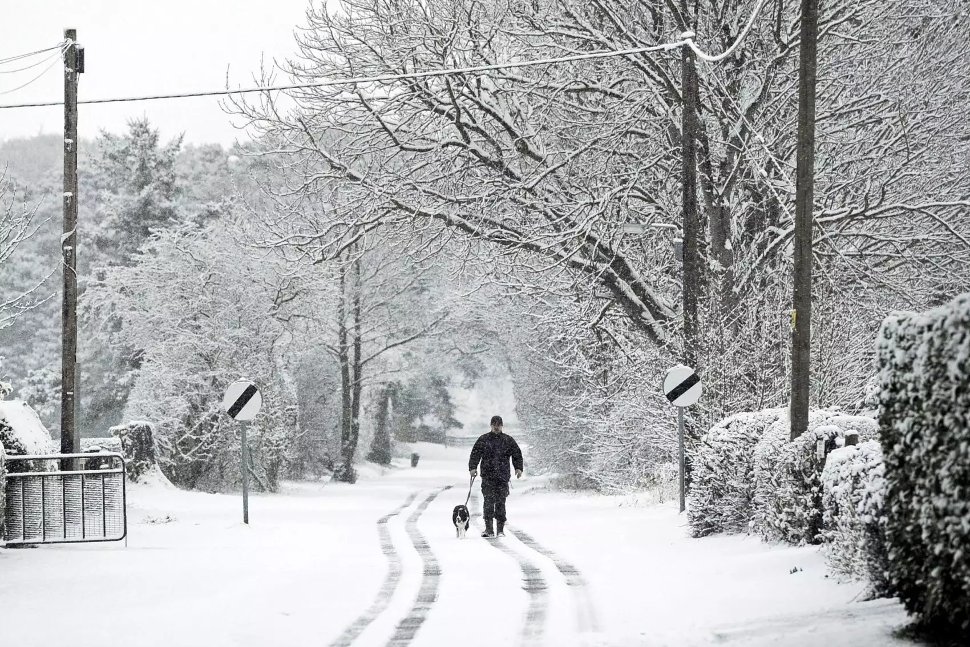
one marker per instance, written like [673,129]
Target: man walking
[494,450]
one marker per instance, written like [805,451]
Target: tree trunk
[345,470]
[357,368]
[380,449]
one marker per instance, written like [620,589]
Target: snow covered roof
[27,429]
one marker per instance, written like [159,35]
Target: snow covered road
[377,564]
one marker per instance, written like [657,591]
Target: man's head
[496,424]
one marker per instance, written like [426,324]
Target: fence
[51,505]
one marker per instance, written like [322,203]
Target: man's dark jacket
[494,451]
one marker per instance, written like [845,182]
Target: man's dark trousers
[494,493]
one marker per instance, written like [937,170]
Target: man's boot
[488,529]
[500,531]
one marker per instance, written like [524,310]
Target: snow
[27,427]
[311,563]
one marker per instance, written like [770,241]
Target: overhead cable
[686,39]
[18,57]
[712,58]
[42,73]
[31,65]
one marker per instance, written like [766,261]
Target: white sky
[135,47]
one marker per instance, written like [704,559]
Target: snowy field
[377,563]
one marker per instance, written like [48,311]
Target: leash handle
[470,484]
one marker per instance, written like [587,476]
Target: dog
[460,518]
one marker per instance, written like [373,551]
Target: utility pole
[691,224]
[804,216]
[70,438]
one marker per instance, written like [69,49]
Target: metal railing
[53,506]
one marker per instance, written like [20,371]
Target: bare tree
[18,223]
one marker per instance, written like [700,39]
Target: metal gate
[53,506]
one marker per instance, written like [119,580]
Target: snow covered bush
[22,432]
[788,487]
[854,532]
[723,480]
[924,415]
[138,447]
[3,486]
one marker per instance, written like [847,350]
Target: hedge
[924,416]
[3,487]
[722,487]
[137,441]
[787,504]
[854,523]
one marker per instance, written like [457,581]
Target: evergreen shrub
[788,475]
[138,447]
[853,522]
[3,487]
[722,487]
[924,419]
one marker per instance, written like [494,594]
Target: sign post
[242,402]
[683,388]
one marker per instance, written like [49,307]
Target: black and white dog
[459,518]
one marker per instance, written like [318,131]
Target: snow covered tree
[136,194]
[34,169]
[18,223]
[546,164]
[137,185]
[205,311]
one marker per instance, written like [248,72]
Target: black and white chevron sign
[242,400]
[682,386]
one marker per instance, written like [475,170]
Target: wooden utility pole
[691,224]
[804,209]
[70,438]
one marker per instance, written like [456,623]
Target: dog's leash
[470,484]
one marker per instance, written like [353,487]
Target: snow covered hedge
[722,488]
[787,501]
[138,446]
[21,431]
[3,487]
[924,415]
[854,524]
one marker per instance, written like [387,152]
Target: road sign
[682,386]
[242,400]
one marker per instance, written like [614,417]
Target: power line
[18,57]
[710,58]
[372,79]
[686,39]
[42,73]
[33,65]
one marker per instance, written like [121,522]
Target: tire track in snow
[431,576]
[391,580]
[535,587]
[585,609]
